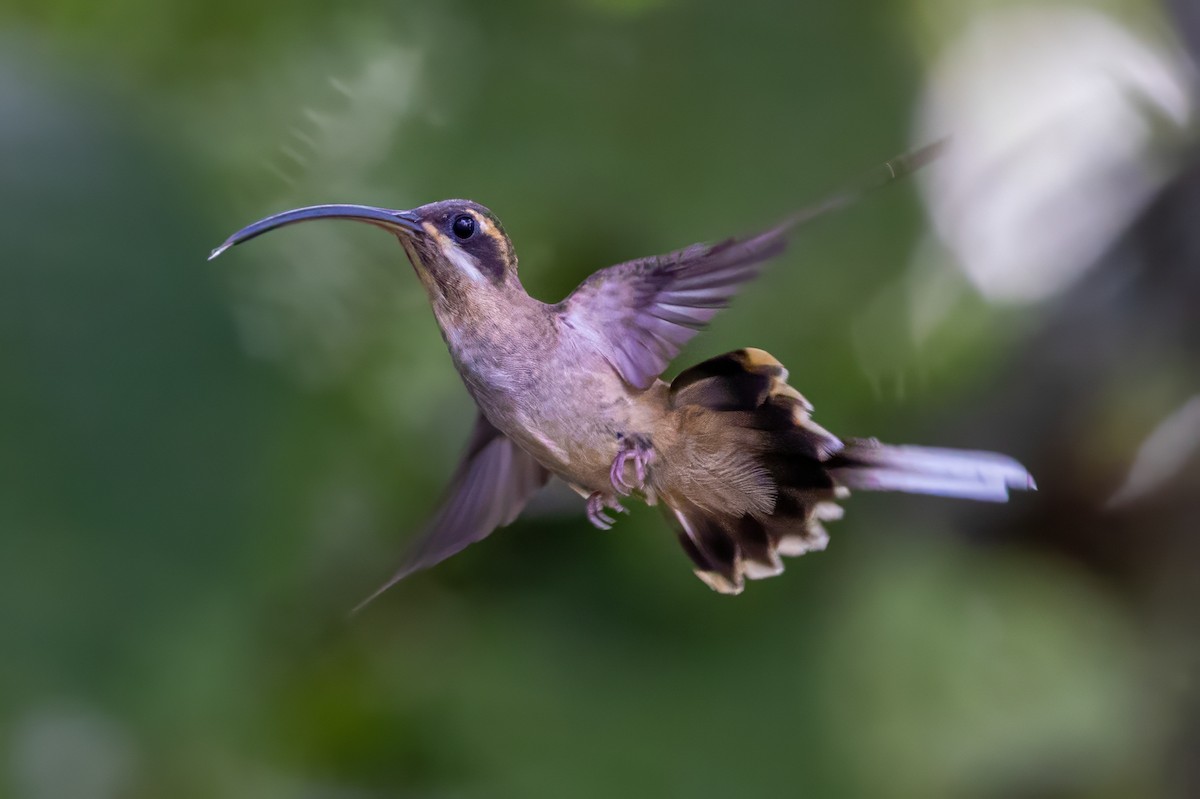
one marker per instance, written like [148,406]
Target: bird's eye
[464,226]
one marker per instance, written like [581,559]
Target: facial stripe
[485,225]
[496,235]
[462,260]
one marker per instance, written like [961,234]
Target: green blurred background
[206,465]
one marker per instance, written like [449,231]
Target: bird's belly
[577,439]
[577,446]
[566,413]
[587,461]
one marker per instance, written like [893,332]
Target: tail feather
[810,469]
[871,466]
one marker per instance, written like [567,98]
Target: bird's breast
[558,399]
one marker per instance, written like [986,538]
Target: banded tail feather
[809,470]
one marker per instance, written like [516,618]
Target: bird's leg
[638,450]
[597,503]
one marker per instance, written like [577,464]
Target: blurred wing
[489,489]
[641,313]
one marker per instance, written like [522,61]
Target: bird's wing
[642,312]
[489,489]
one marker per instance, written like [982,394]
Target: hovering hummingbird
[574,390]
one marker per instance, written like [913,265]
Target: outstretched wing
[642,312]
[492,484]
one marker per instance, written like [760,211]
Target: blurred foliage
[205,465]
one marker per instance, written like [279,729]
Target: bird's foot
[597,503]
[637,450]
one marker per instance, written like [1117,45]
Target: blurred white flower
[1163,455]
[1055,112]
[59,752]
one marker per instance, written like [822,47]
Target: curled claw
[641,452]
[597,503]
[617,473]
[639,466]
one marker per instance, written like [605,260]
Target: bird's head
[452,243]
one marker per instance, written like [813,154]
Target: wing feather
[490,488]
[641,313]
[644,311]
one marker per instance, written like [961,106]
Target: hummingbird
[575,391]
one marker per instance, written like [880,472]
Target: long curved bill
[395,221]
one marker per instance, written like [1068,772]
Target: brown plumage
[750,477]
[573,390]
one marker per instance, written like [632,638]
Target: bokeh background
[203,466]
